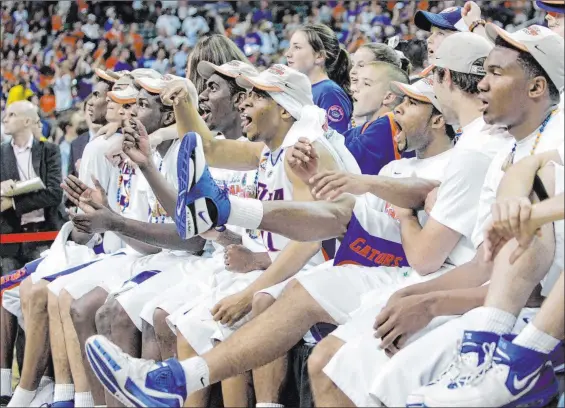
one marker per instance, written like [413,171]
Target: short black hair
[533,69]
[468,83]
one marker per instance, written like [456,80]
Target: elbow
[424,265]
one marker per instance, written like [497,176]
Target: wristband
[477,23]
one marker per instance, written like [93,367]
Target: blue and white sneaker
[512,376]
[557,357]
[470,354]
[133,381]
[197,189]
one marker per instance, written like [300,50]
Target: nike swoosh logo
[397,173]
[539,49]
[202,382]
[520,384]
[201,215]
[180,204]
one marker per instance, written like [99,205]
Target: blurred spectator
[70,133]
[161,64]
[19,92]
[194,26]
[62,87]
[91,30]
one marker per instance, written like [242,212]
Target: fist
[178,89]
[237,258]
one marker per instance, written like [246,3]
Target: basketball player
[542,130]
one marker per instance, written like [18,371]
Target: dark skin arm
[98,217]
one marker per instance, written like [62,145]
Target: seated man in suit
[25,158]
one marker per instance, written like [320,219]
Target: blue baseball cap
[556,6]
[449,19]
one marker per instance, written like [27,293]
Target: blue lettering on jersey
[358,247]
[16,277]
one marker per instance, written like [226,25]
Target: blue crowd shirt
[332,98]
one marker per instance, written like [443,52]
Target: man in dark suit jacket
[22,159]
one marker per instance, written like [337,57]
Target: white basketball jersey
[167,166]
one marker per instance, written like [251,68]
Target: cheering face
[113,108]
[300,55]
[370,91]
[412,118]
[97,104]
[216,105]
[504,89]
[361,58]
[148,109]
[434,41]
[260,116]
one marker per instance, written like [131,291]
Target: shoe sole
[98,358]
[190,166]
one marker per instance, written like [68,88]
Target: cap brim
[427,71]
[493,32]
[408,90]
[151,85]
[104,75]
[425,20]
[206,69]
[254,82]
[122,97]
[553,6]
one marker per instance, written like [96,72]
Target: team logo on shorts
[336,113]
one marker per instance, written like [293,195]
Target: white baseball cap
[157,85]
[463,52]
[547,48]
[288,87]
[106,75]
[231,69]
[422,91]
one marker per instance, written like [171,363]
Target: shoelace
[477,375]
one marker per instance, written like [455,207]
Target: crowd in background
[50,49]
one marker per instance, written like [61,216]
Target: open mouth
[289,63]
[245,121]
[484,104]
[204,112]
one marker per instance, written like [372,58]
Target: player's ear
[537,87]
[168,118]
[438,121]
[238,98]
[285,114]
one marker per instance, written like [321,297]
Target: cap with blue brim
[448,19]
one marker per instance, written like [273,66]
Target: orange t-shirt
[56,22]
[47,104]
[111,62]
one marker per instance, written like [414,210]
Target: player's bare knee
[102,320]
[80,312]
[160,324]
[261,301]
[184,349]
[322,354]
[52,304]
[120,321]
[38,298]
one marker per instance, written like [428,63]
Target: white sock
[490,319]
[21,398]
[533,338]
[84,400]
[245,212]
[268,405]
[197,374]
[64,392]
[5,382]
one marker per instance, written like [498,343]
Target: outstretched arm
[410,192]
[228,154]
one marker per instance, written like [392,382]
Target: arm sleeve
[372,149]
[458,196]
[338,110]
